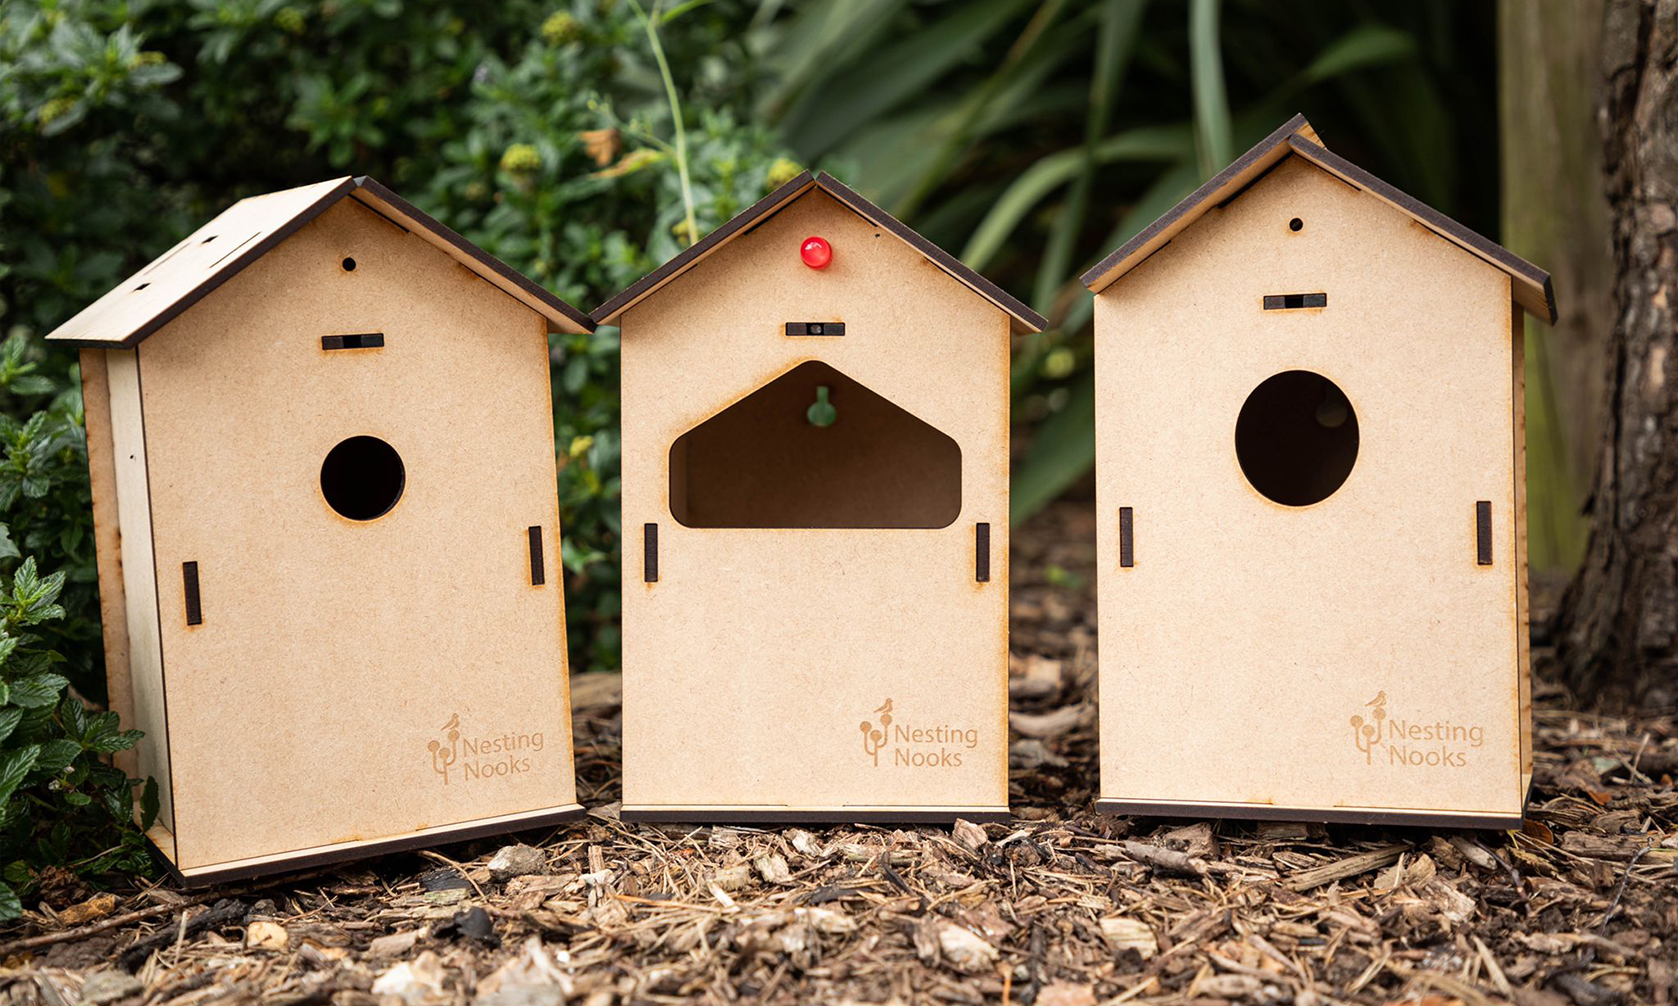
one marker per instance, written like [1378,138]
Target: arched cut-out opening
[362,478]
[814,448]
[1297,438]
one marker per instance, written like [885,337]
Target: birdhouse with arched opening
[1311,492]
[321,439]
[815,505]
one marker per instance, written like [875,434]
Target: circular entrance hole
[1297,438]
[362,478]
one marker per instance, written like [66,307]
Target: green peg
[822,413]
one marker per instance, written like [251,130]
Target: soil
[1061,906]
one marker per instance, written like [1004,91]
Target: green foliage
[61,805]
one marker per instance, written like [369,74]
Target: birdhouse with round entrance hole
[815,505]
[321,438]
[1311,489]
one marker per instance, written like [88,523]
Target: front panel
[349,445]
[1305,407]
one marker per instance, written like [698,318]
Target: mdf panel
[1247,634]
[755,659]
[353,680]
[107,539]
[146,680]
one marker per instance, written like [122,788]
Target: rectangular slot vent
[1294,301]
[649,557]
[815,328]
[981,553]
[1127,538]
[189,578]
[538,574]
[361,340]
[1483,533]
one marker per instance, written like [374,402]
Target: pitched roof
[245,231]
[1530,284]
[1024,319]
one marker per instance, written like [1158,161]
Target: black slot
[194,610]
[361,340]
[1483,533]
[649,558]
[538,575]
[815,328]
[1294,301]
[1127,538]
[981,553]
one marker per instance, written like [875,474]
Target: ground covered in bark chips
[1059,907]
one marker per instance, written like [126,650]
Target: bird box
[1311,492]
[321,439]
[815,506]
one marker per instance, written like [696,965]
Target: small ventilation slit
[797,328]
[1483,533]
[189,580]
[1127,538]
[649,557]
[538,574]
[1294,301]
[361,340]
[981,552]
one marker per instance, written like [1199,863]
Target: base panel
[813,815]
[1322,815]
[305,859]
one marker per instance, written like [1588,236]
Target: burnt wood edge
[1263,812]
[790,816]
[488,261]
[221,275]
[1480,245]
[740,221]
[385,847]
[1092,278]
[750,216]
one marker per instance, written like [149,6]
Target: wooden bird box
[321,439]
[1311,492]
[815,512]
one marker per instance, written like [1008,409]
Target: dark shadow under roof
[245,231]
[1529,284]
[1024,319]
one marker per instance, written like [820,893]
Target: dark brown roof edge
[489,261]
[219,276]
[1194,199]
[745,218]
[1482,246]
[943,259]
[857,204]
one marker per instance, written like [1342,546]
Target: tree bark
[1618,625]
[1554,213]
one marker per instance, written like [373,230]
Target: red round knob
[817,253]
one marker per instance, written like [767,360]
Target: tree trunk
[1554,213]
[1618,625]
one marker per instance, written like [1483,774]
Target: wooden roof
[242,233]
[1530,284]
[1024,319]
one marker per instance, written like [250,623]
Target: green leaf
[56,755]
[8,550]
[148,804]
[1061,453]
[9,720]
[14,766]
[1211,103]
[10,906]
[1364,46]
[38,690]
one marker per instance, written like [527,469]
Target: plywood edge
[107,544]
[717,814]
[1484,820]
[1523,610]
[303,859]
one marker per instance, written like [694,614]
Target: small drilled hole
[349,265]
[142,286]
[207,240]
[1296,224]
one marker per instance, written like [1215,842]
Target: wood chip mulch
[1060,907]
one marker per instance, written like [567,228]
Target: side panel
[139,577]
[759,666]
[1523,613]
[356,680]
[1237,651]
[107,540]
